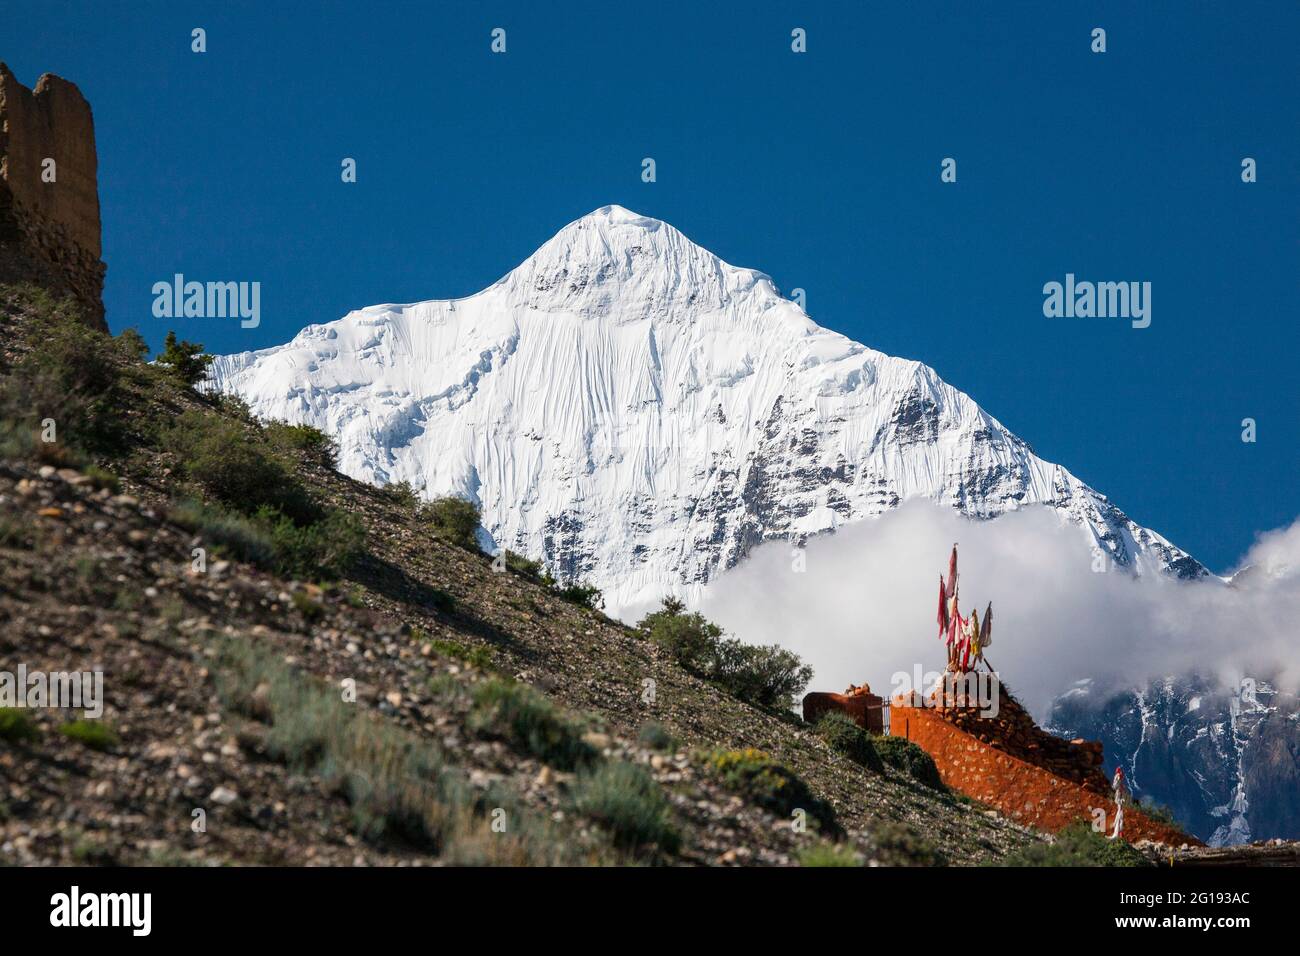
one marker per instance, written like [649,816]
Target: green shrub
[829,854]
[323,550]
[584,595]
[398,785]
[627,802]
[90,733]
[17,431]
[897,844]
[475,656]
[768,784]
[524,567]
[319,551]
[690,638]
[401,493]
[15,533]
[103,479]
[226,533]
[184,361]
[394,782]
[909,758]
[16,726]
[311,609]
[1078,845]
[656,736]
[1158,813]
[770,677]
[455,520]
[848,738]
[229,462]
[76,376]
[306,440]
[530,722]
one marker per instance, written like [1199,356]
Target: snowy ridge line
[639,414]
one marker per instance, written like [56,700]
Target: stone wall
[1012,731]
[1002,765]
[50,231]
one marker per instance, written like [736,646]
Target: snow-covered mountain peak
[616,215]
[616,256]
[639,414]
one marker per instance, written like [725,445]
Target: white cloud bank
[865,606]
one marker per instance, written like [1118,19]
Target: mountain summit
[639,414]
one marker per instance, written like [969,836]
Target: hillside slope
[223,683]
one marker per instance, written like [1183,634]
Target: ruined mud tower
[49,196]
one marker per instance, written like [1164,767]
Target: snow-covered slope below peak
[639,414]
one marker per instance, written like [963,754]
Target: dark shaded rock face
[49,197]
[1226,761]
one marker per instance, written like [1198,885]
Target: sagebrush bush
[226,533]
[102,478]
[909,758]
[321,551]
[15,533]
[769,784]
[625,800]
[530,722]
[848,738]
[398,785]
[829,854]
[75,376]
[394,782]
[656,736]
[475,656]
[897,844]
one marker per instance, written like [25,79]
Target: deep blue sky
[821,169]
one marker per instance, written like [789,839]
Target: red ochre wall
[1020,790]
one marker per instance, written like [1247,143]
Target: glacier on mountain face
[638,414]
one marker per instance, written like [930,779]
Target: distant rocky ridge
[49,197]
[1226,764]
